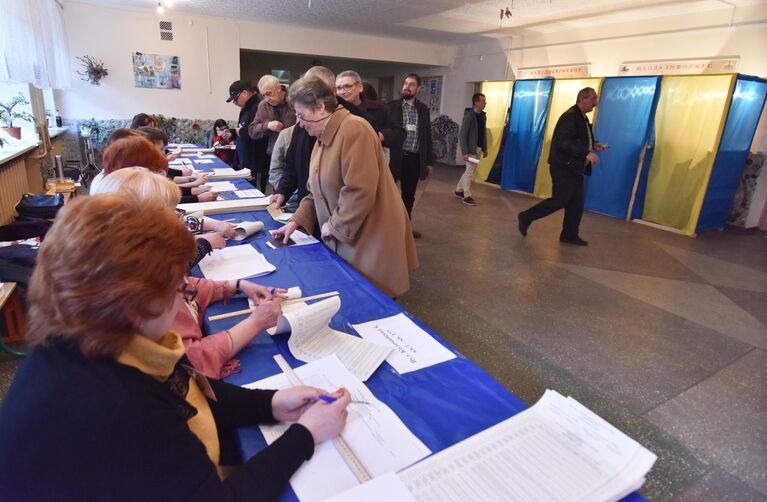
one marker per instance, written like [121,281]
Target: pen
[272,291]
[330,399]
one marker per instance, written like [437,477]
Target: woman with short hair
[352,195]
[106,407]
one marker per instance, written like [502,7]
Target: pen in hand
[330,399]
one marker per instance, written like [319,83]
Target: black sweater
[79,429]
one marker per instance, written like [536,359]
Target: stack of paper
[235,262]
[555,450]
[312,338]
[226,206]
[227,173]
[373,432]
[249,194]
[221,186]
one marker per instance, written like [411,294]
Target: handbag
[40,206]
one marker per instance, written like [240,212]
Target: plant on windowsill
[7,115]
[93,70]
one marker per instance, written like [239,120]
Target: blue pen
[331,399]
[272,291]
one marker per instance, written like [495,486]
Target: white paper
[204,161]
[249,194]
[373,432]
[247,228]
[312,338]
[293,293]
[414,348]
[223,173]
[385,488]
[555,450]
[221,186]
[235,262]
[201,155]
[226,206]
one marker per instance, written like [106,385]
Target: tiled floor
[662,335]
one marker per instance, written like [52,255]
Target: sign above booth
[678,67]
[556,71]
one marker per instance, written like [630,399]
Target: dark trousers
[411,173]
[260,171]
[567,194]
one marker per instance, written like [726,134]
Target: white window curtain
[33,44]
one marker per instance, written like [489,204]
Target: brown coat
[351,188]
[265,114]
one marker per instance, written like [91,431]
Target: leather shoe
[576,241]
[522,225]
[416,234]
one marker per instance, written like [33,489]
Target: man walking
[573,153]
[414,160]
[473,137]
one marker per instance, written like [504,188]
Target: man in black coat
[251,153]
[414,160]
[573,152]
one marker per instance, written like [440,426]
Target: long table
[441,404]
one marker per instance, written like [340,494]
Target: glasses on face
[189,291]
[346,87]
[307,121]
[236,97]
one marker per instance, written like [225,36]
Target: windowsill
[8,152]
[56,131]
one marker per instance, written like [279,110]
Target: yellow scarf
[157,359]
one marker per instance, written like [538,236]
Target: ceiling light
[160,8]
[168,3]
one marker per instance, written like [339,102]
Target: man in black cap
[251,154]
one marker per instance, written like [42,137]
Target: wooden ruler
[343,448]
[285,302]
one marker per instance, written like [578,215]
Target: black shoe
[577,241]
[458,193]
[469,201]
[522,225]
[416,234]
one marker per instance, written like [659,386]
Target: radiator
[13,184]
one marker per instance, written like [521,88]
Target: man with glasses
[349,87]
[251,153]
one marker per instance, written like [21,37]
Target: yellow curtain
[562,97]
[688,126]
[498,95]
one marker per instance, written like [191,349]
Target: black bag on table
[40,206]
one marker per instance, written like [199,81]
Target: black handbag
[39,206]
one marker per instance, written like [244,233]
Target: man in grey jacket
[473,137]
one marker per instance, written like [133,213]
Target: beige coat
[351,188]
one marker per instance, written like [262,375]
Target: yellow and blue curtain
[689,120]
[524,134]
[562,98]
[623,123]
[742,119]
[498,94]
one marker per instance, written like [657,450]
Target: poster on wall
[430,93]
[153,71]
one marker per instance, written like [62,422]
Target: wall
[209,51]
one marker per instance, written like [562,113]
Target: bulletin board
[430,94]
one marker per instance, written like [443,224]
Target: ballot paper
[226,206]
[312,338]
[204,161]
[373,432]
[414,348]
[221,186]
[249,194]
[385,488]
[223,173]
[556,450]
[235,262]
[278,214]
[245,229]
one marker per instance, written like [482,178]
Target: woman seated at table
[105,406]
[210,355]
[137,151]
[222,136]
[352,195]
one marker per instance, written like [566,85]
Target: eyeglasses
[237,96]
[306,121]
[189,291]
[347,87]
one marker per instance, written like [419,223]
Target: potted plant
[93,70]
[7,115]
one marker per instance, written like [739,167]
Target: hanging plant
[93,70]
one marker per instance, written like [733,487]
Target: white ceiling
[441,21]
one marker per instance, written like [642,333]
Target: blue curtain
[524,134]
[623,122]
[745,109]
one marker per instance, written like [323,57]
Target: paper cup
[247,228]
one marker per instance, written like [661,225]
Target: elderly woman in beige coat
[352,195]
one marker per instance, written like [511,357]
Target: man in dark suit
[414,160]
[573,152]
